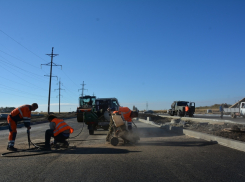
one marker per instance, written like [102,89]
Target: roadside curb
[198,119]
[234,144]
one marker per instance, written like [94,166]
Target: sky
[145,53]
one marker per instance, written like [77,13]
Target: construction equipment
[120,131]
[178,108]
[237,109]
[93,112]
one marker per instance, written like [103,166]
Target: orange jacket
[60,126]
[186,108]
[21,113]
[125,112]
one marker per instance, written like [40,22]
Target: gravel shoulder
[226,130]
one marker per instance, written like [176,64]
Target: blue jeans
[59,138]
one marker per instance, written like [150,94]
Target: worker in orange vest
[127,115]
[59,129]
[186,109]
[19,114]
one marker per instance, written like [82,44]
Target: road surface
[159,156]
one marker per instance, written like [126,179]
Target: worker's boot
[65,144]
[12,148]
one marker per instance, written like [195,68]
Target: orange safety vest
[186,108]
[125,112]
[21,113]
[60,126]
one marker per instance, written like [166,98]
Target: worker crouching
[59,129]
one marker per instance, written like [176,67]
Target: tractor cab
[87,101]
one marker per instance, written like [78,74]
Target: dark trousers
[50,133]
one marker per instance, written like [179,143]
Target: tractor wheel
[79,117]
[91,132]
[178,113]
[114,141]
[233,115]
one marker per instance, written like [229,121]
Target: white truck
[238,111]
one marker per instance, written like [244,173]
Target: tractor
[93,112]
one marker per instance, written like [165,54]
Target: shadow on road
[180,144]
[156,132]
[99,134]
[88,150]
[85,150]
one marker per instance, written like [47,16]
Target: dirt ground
[226,130]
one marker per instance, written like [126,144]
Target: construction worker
[126,114]
[59,129]
[221,111]
[19,114]
[186,109]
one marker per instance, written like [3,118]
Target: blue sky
[139,51]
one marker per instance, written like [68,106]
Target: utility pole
[51,64]
[82,88]
[146,105]
[59,95]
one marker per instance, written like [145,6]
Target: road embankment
[238,145]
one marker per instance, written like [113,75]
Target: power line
[4,62]
[18,59]
[17,95]
[13,89]
[28,63]
[22,83]
[69,78]
[20,44]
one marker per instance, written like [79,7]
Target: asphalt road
[159,156]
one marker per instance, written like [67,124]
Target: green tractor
[93,112]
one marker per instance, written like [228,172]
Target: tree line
[6,109]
